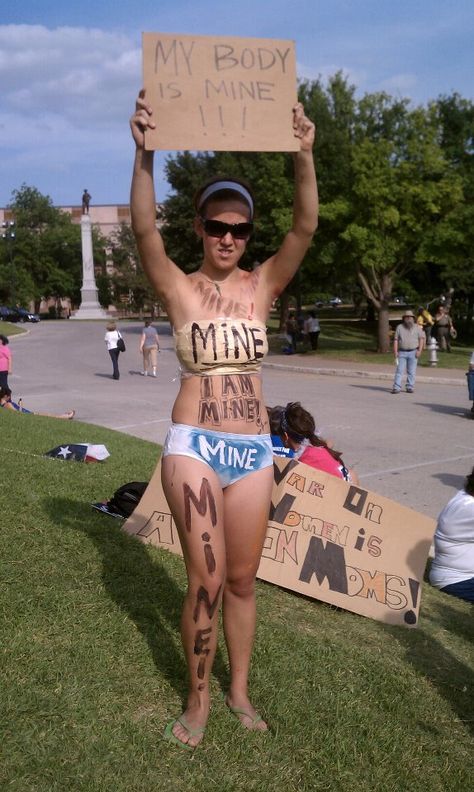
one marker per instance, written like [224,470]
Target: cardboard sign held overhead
[219,93]
[325,538]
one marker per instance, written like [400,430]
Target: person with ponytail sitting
[296,429]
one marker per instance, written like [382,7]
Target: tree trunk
[284,304]
[378,291]
[383,328]
[470,308]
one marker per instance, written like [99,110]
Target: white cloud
[403,84]
[355,77]
[85,76]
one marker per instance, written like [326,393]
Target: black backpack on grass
[126,498]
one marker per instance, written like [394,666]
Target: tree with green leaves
[402,186]
[333,107]
[128,282]
[450,244]
[46,256]
[396,183]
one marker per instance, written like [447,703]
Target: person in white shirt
[111,339]
[452,569]
[312,329]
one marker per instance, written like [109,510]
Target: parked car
[26,316]
[8,314]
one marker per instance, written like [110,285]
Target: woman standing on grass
[5,361]
[217,459]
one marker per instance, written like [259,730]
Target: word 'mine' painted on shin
[201,650]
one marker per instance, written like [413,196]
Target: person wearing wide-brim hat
[408,345]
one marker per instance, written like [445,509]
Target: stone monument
[90,307]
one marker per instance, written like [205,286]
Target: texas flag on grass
[79,452]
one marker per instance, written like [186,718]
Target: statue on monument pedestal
[90,307]
[86,199]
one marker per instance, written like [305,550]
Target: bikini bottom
[231,456]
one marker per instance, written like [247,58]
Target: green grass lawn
[9,329]
[351,340]
[92,666]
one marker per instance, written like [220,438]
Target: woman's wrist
[144,158]
[303,158]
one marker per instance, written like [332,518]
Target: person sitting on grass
[7,404]
[295,428]
[452,569]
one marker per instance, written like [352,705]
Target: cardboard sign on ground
[326,539]
[220,93]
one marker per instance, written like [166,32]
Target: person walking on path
[407,347]
[112,341]
[312,329]
[443,329]
[5,361]
[217,466]
[149,347]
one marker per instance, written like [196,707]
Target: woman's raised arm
[160,270]
[281,267]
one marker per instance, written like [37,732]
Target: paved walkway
[414,448]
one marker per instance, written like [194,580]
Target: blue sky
[69,72]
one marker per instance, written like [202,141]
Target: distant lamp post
[9,236]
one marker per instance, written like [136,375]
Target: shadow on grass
[453,620]
[139,585]
[453,679]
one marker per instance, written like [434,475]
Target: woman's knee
[242,586]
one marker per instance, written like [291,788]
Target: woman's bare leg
[196,502]
[246,508]
[68,416]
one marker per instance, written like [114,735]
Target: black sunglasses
[215,228]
